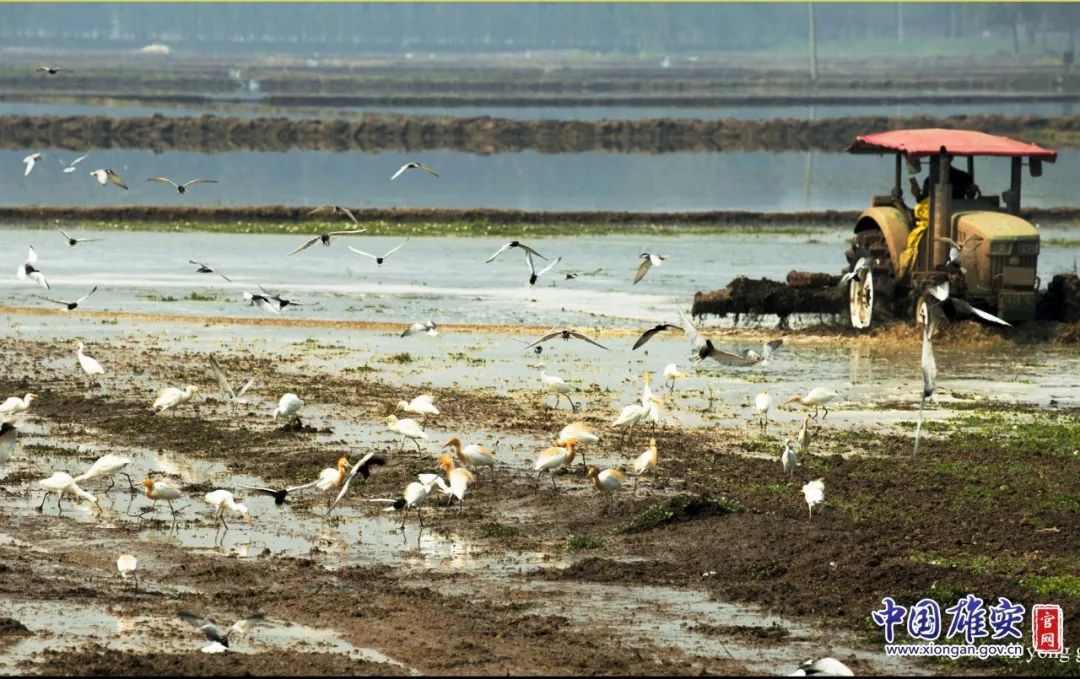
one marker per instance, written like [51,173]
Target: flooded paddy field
[709,566]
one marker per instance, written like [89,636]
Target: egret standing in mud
[289,406]
[929,373]
[62,483]
[551,459]
[473,454]
[458,479]
[577,433]
[222,500]
[789,459]
[13,405]
[126,565]
[407,428]
[219,641]
[159,490]
[762,403]
[805,435]
[814,493]
[170,397]
[105,467]
[672,373]
[559,387]
[646,461]
[89,365]
[817,398]
[607,481]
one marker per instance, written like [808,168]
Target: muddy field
[711,566]
[483,135]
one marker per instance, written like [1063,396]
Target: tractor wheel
[888,296]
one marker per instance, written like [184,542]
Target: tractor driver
[963,186]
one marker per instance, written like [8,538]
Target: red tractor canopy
[929,142]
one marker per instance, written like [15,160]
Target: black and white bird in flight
[264,301]
[28,271]
[182,188]
[335,210]
[955,308]
[430,328]
[651,332]
[379,259]
[72,306]
[703,348]
[223,382]
[648,261]
[413,166]
[533,273]
[30,161]
[279,300]
[219,641]
[280,495]
[363,468]
[75,241]
[69,168]
[104,176]
[958,252]
[514,244]
[325,239]
[52,70]
[205,269]
[566,335]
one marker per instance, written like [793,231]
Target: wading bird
[515,244]
[379,258]
[566,335]
[363,468]
[648,261]
[413,166]
[646,461]
[72,242]
[534,275]
[9,434]
[473,454]
[105,176]
[89,365]
[814,492]
[458,480]
[629,416]
[159,490]
[170,397]
[61,483]
[325,238]
[788,458]
[577,433]
[126,565]
[929,372]
[817,398]
[263,301]
[607,481]
[182,188]
[30,161]
[205,269]
[672,373]
[421,405]
[332,477]
[559,387]
[407,428]
[235,397]
[823,667]
[337,211]
[551,459]
[651,332]
[69,168]
[288,406]
[29,271]
[222,500]
[414,496]
[105,467]
[429,328]
[805,435]
[219,641]
[13,405]
[762,403]
[72,305]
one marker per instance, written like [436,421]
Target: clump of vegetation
[402,358]
[682,508]
[499,531]
[576,542]
[466,358]
[1067,585]
[196,297]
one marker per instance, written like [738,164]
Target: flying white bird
[929,372]
[817,398]
[69,168]
[170,397]
[89,365]
[515,244]
[430,328]
[29,271]
[648,261]
[379,259]
[823,667]
[104,468]
[223,382]
[52,70]
[363,468]
[325,238]
[72,305]
[104,176]
[205,269]
[288,406]
[31,160]
[421,405]
[219,641]
[413,166]
[533,273]
[280,301]
[814,492]
[182,188]
[61,483]
[75,241]
[789,458]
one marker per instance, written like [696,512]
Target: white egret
[421,405]
[805,435]
[672,373]
[333,477]
[823,667]
[105,467]
[458,479]
[559,387]
[219,641]
[577,432]
[221,500]
[62,483]
[414,496]
[170,397]
[646,461]
[816,398]
[473,454]
[789,458]
[126,565]
[13,405]
[607,481]
[407,428]
[159,490]
[814,492]
[288,406]
[762,403]
[551,459]
[89,365]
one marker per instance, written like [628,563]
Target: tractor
[997,267]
